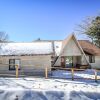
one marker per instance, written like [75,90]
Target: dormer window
[57,46]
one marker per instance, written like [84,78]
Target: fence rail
[46,71]
[76,69]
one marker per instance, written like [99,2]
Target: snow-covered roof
[34,48]
[57,47]
[85,45]
[26,48]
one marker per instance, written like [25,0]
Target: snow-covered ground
[32,88]
[77,74]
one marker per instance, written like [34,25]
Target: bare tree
[91,28]
[3,37]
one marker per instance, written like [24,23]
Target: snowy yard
[32,88]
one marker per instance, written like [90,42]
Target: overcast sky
[27,20]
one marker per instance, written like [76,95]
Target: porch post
[72,62]
[95,72]
[16,71]
[72,70]
[46,72]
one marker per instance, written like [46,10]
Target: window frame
[14,67]
[91,58]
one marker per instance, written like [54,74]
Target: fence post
[46,72]
[95,72]
[72,70]
[16,71]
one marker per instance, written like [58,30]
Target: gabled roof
[33,48]
[67,40]
[86,45]
[65,43]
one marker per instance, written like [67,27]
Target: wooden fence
[72,72]
[70,69]
[16,68]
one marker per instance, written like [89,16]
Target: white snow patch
[26,48]
[57,46]
[32,88]
[77,74]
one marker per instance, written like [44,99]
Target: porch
[73,62]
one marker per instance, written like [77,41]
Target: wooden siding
[34,62]
[97,62]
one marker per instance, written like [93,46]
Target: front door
[62,61]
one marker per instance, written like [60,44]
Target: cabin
[37,55]
[76,53]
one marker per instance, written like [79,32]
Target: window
[57,46]
[13,62]
[92,59]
